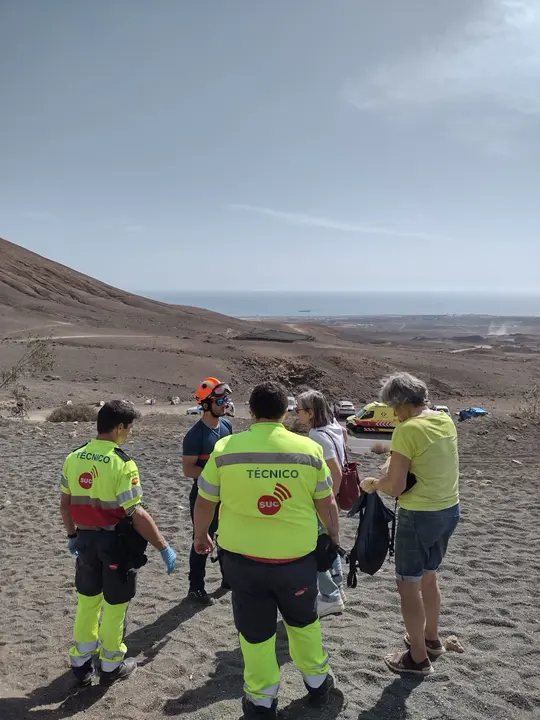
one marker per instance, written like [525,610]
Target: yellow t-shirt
[267,480]
[430,443]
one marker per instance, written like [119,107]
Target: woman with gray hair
[314,411]
[423,472]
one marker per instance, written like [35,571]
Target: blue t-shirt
[200,440]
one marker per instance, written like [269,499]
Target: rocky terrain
[189,661]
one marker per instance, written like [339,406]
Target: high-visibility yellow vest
[267,480]
[103,482]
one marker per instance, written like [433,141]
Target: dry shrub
[379,448]
[73,413]
[530,406]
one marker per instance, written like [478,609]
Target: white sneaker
[329,608]
[342,594]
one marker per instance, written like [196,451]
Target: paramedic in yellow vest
[271,484]
[101,488]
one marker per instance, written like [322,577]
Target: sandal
[403,664]
[434,648]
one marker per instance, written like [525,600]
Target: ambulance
[375,417]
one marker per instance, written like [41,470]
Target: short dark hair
[269,401]
[114,413]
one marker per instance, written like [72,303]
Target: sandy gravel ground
[189,662]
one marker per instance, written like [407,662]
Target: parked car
[344,408]
[472,412]
[195,410]
[291,404]
[374,417]
[441,408]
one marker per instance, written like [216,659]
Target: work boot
[200,596]
[318,697]
[122,672]
[257,711]
[84,673]
[225,586]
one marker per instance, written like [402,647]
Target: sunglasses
[221,401]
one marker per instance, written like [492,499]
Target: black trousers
[259,590]
[197,563]
[95,572]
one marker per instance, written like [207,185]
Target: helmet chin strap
[207,407]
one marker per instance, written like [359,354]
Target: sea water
[335,304]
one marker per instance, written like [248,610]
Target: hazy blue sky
[274,144]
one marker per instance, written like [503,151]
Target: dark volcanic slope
[33,288]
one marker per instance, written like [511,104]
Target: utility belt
[325,555]
[122,547]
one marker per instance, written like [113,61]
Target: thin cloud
[329,224]
[124,226]
[488,73]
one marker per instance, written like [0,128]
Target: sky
[284,145]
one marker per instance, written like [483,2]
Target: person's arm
[394,481]
[203,515]
[335,472]
[191,449]
[330,456]
[328,512]
[209,494]
[145,525]
[129,496]
[65,512]
[190,467]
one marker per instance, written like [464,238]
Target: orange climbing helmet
[211,387]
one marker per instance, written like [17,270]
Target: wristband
[70,537]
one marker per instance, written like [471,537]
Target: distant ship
[304,311]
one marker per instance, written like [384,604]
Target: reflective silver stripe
[64,482]
[262,698]
[110,665]
[77,661]
[322,666]
[94,502]
[85,648]
[255,458]
[207,487]
[324,485]
[315,681]
[112,654]
[129,494]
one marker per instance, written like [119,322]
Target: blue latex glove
[169,558]
[71,546]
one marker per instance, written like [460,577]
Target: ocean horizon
[250,304]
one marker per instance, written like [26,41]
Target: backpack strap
[391,548]
[342,465]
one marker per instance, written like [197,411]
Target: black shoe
[122,672]
[319,697]
[84,673]
[257,711]
[200,596]
[225,586]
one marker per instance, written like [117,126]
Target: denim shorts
[422,539]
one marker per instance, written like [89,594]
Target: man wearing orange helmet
[214,398]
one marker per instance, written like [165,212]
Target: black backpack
[374,539]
